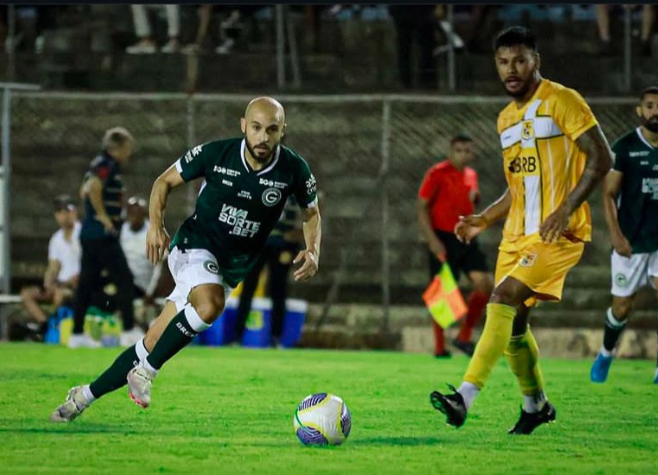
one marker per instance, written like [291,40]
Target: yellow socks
[522,354]
[495,338]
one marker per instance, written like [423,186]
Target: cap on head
[514,36]
[64,203]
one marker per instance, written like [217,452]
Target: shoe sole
[437,402]
[137,401]
[551,420]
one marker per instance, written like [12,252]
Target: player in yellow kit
[554,155]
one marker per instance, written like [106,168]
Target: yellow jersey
[542,161]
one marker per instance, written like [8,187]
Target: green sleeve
[621,156]
[305,188]
[194,163]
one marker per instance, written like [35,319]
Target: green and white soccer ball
[322,419]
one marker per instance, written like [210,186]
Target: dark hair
[648,90]
[515,35]
[460,138]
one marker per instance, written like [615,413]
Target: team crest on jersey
[211,267]
[621,280]
[271,196]
[527,130]
[528,261]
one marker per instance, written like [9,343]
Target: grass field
[230,411]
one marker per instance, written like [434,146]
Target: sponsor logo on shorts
[528,261]
[211,267]
[621,280]
[271,196]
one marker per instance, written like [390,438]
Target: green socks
[178,334]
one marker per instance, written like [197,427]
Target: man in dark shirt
[99,237]
[246,182]
[631,207]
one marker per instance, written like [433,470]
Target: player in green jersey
[246,182]
[631,207]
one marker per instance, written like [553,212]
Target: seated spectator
[146,43]
[61,276]
[603,24]
[133,241]
[204,12]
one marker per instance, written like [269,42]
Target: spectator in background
[133,242]
[204,13]
[450,190]
[416,23]
[281,247]
[146,43]
[63,271]
[603,24]
[99,237]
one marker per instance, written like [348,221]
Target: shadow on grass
[70,429]
[399,441]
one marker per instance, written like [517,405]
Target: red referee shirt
[447,191]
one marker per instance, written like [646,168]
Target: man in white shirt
[133,242]
[63,271]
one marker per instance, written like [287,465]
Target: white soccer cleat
[139,385]
[71,408]
[131,337]
[83,341]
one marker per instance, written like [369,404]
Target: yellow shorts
[542,267]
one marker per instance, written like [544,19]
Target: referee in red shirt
[450,190]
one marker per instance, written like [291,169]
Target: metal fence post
[5,195]
[11,37]
[191,142]
[627,51]
[386,278]
[452,82]
[280,48]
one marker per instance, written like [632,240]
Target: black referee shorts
[462,257]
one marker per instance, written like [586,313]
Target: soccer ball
[322,419]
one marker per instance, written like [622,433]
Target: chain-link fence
[369,154]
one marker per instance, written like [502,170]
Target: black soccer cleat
[530,421]
[452,405]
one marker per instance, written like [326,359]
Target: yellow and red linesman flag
[443,298]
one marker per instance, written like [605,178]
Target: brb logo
[525,165]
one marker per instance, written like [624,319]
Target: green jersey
[637,205]
[237,206]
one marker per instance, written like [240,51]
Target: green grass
[231,410]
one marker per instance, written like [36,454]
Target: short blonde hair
[116,137]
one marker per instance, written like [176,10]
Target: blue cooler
[259,325]
[221,332]
[293,322]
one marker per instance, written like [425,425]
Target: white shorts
[629,274]
[191,268]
